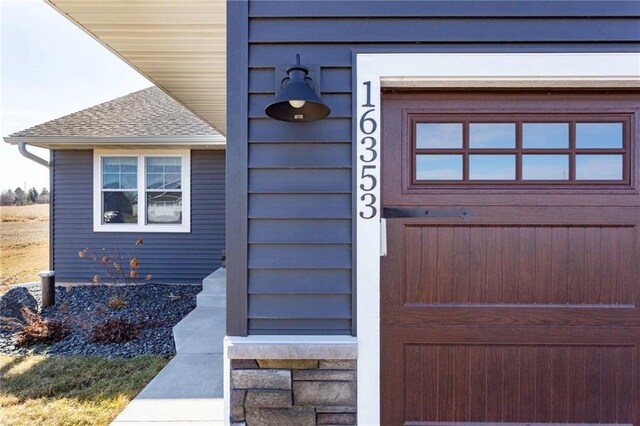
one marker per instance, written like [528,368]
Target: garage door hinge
[383,237]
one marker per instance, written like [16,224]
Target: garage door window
[521,151]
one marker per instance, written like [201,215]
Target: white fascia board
[62,142]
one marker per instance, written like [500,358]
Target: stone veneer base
[301,392]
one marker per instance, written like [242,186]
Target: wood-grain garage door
[510,289]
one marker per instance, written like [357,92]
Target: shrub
[114,330]
[40,330]
[120,268]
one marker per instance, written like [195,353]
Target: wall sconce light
[297,96]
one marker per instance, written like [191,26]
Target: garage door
[510,287]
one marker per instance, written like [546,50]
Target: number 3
[374,211]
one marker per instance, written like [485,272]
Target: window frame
[141,188]
[519,119]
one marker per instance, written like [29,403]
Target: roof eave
[89,142]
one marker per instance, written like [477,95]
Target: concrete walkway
[189,389]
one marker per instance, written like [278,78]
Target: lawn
[24,243]
[37,390]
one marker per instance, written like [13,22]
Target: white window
[146,191]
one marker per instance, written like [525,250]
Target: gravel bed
[157,306]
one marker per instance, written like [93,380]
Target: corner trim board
[375,70]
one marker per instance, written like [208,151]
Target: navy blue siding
[298,189]
[170,257]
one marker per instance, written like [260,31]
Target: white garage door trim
[437,70]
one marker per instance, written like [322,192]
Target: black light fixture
[297,97]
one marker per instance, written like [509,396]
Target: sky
[50,68]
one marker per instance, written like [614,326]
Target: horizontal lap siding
[170,257]
[299,180]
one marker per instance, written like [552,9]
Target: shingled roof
[145,113]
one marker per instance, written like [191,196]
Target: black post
[48,287]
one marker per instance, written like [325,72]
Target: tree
[7,198]
[20,197]
[44,197]
[32,196]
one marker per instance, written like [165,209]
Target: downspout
[22,147]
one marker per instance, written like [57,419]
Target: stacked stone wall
[293,392]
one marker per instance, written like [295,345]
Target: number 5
[364,175]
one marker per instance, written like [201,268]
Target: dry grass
[24,243]
[37,390]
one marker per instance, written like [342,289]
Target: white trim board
[122,142]
[430,70]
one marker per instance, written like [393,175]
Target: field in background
[24,243]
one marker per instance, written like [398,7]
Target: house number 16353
[368,125]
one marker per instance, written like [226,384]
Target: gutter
[89,142]
[22,147]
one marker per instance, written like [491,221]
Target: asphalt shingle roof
[147,112]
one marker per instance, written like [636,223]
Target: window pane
[110,165]
[111,180]
[492,167]
[492,135]
[128,181]
[172,181]
[154,180]
[545,135]
[598,167]
[164,207]
[439,135]
[120,207]
[599,135]
[119,172]
[439,167]
[545,167]
[164,172]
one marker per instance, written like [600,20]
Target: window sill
[142,229]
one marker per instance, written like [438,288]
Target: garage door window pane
[439,167]
[599,135]
[545,167]
[492,135]
[439,135]
[598,167]
[545,135]
[492,167]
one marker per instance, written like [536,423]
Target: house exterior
[457,242]
[139,166]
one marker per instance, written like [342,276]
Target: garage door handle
[398,212]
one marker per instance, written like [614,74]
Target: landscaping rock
[15,301]
[157,307]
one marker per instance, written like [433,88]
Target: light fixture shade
[297,86]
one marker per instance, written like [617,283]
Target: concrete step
[210,300]
[216,283]
[187,391]
[202,331]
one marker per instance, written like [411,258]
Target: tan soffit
[180,45]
